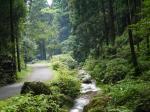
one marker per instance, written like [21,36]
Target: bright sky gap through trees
[50,2]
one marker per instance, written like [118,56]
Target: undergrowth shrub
[116,70]
[107,71]
[57,65]
[129,93]
[68,85]
[144,65]
[65,59]
[124,52]
[29,103]
[110,51]
[145,76]
[66,82]
[118,109]
[98,72]
[90,63]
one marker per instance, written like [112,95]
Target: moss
[97,104]
[24,73]
[35,88]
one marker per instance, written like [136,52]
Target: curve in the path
[41,73]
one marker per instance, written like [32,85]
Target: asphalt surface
[40,72]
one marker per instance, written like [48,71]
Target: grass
[3,103]
[127,93]
[24,73]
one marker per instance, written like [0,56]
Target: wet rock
[86,88]
[87,79]
[80,103]
[88,91]
[35,88]
[82,72]
[84,77]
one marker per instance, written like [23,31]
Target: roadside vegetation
[24,73]
[123,89]
[53,96]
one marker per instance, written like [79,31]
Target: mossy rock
[35,88]
[97,104]
[66,100]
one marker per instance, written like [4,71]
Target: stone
[87,79]
[35,88]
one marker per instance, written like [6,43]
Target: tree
[12,34]
[13,12]
[112,22]
[133,54]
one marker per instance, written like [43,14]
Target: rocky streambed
[88,91]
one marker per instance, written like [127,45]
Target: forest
[75,56]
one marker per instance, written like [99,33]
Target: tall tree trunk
[41,50]
[105,23]
[112,22]
[131,42]
[147,41]
[25,54]
[12,36]
[44,50]
[18,54]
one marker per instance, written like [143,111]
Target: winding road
[40,72]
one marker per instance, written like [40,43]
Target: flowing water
[88,90]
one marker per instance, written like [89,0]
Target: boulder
[35,88]
[87,79]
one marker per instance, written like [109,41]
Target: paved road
[40,72]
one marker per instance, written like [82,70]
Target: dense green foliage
[128,93]
[67,80]
[98,27]
[111,39]
[29,103]
[108,71]
[131,93]
[64,59]
[68,85]
[126,96]
[108,38]
[46,26]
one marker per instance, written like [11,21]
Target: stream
[88,90]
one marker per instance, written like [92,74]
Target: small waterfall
[88,90]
